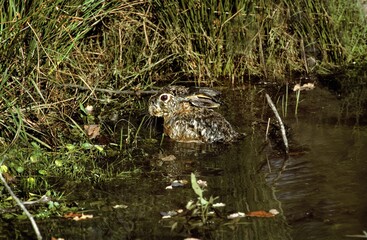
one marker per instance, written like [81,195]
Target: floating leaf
[306,86]
[120,206]
[274,211]
[196,187]
[177,183]
[260,214]
[78,216]
[236,215]
[217,205]
[169,214]
[83,217]
[54,238]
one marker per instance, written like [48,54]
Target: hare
[189,116]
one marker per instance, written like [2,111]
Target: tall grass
[47,45]
[233,39]
[136,44]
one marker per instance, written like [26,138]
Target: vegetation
[47,47]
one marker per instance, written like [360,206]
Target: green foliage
[47,46]
[135,44]
[201,207]
[54,205]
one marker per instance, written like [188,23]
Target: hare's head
[177,99]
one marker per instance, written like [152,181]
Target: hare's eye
[164,97]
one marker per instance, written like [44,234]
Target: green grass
[135,45]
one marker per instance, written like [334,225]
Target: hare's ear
[206,91]
[202,101]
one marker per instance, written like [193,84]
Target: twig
[282,128]
[267,130]
[43,199]
[122,92]
[29,215]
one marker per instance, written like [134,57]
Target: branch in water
[21,205]
[282,128]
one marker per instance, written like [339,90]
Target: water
[320,190]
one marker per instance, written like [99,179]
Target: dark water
[320,190]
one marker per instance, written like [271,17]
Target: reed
[132,45]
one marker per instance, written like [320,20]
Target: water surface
[320,190]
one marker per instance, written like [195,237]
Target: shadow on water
[319,191]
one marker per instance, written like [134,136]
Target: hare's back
[205,125]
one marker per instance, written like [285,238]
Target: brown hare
[189,117]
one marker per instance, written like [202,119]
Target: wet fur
[188,121]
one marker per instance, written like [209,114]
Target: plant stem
[21,205]
[282,128]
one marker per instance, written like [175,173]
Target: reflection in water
[323,194]
[320,194]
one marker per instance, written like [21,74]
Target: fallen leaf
[177,183]
[120,206]
[92,130]
[71,215]
[83,217]
[306,86]
[236,215]
[77,216]
[274,211]
[259,214]
[53,238]
[217,205]
[169,214]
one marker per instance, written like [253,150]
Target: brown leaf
[259,214]
[92,130]
[83,217]
[9,178]
[77,216]
[72,215]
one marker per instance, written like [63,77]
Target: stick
[123,92]
[282,128]
[29,215]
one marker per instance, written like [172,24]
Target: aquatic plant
[49,47]
[57,56]
[202,206]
